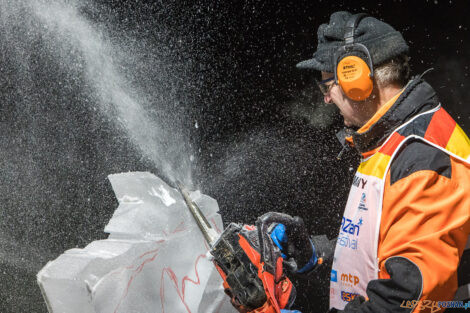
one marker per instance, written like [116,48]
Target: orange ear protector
[352,72]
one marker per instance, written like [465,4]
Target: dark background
[232,67]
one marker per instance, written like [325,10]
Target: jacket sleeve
[324,249]
[319,276]
[423,232]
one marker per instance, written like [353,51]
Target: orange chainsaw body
[255,287]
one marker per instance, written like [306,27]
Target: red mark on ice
[153,254]
[178,229]
[173,278]
[215,225]
[136,272]
[130,267]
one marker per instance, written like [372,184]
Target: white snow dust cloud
[151,129]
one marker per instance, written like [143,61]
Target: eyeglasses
[325,85]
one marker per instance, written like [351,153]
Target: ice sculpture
[155,259]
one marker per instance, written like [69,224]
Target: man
[407,218]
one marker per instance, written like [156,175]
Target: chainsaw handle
[293,224]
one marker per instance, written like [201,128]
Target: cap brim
[312,64]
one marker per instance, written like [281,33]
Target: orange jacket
[425,221]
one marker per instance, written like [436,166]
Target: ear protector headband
[352,72]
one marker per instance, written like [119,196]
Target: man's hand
[296,246]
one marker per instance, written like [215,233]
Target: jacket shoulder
[416,155]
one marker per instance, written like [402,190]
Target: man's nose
[327,98]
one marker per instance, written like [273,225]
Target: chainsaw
[248,261]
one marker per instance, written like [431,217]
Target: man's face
[353,112]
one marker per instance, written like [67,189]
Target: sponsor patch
[349,279]
[334,276]
[362,204]
[348,296]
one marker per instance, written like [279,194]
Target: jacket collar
[417,97]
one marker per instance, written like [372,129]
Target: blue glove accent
[311,263]
[290,311]
[279,237]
